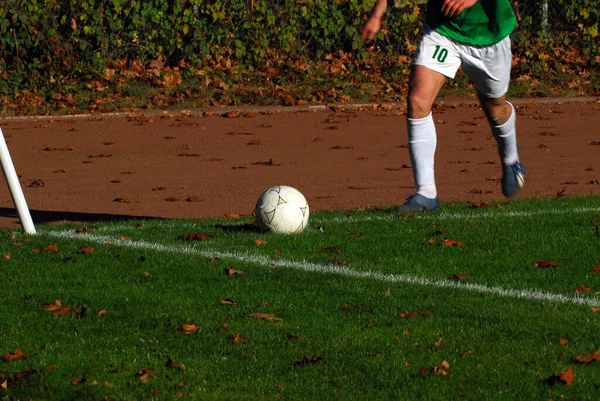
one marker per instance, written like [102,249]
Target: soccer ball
[282,209]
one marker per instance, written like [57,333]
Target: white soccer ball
[282,209]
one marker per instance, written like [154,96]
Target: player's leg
[434,61]
[489,68]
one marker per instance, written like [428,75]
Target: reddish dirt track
[111,168]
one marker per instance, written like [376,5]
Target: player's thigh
[488,67]
[423,88]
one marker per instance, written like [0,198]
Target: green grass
[370,336]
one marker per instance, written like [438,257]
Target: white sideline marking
[527,294]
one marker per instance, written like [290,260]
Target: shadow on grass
[47,216]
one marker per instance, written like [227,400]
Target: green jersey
[484,24]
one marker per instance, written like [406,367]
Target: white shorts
[488,66]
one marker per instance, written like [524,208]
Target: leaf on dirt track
[309,360]
[269,163]
[544,264]
[589,358]
[264,316]
[36,183]
[232,215]
[196,236]
[567,378]
[255,142]
[230,271]
[480,191]
[561,193]
[189,328]
[122,200]
[14,356]
[448,243]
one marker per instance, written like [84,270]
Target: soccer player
[474,33]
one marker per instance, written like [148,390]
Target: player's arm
[451,8]
[374,22]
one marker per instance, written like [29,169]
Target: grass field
[362,305]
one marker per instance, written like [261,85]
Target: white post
[14,187]
[545,16]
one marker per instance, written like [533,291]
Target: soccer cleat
[417,202]
[513,179]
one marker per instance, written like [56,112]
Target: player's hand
[371,28]
[451,8]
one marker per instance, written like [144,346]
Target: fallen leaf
[174,365]
[447,243]
[194,199]
[563,341]
[58,309]
[232,215]
[593,356]
[260,242]
[144,375]
[36,183]
[196,236]
[331,248]
[595,269]
[480,191]
[229,302]
[264,316]
[189,328]
[122,200]
[255,142]
[442,369]
[230,271]
[561,193]
[582,288]
[103,312]
[544,264]
[78,380]
[308,360]
[15,356]
[50,248]
[460,276]
[567,378]
[237,339]
[86,250]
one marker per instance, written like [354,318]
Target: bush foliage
[51,48]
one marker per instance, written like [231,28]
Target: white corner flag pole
[14,187]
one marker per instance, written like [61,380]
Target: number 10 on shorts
[440,54]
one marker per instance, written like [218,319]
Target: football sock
[506,136]
[422,141]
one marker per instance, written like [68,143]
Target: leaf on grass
[338,261]
[582,288]
[593,356]
[15,356]
[144,375]
[567,378]
[544,264]
[460,276]
[231,271]
[448,243]
[563,341]
[78,380]
[332,248]
[86,250]
[292,337]
[229,302]
[309,360]
[58,309]
[232,215]
[237,339]
[189,328]
[174,365]
[103,312]
[264,316]
[260,242]
[196,236]
[442,369]
[595,269]
[50,248]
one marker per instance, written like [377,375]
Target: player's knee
[418,106]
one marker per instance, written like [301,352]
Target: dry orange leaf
[260,242]
[58,309]
[309,360]
[595,269]
[103,312]
[442,369]
[14,356]
[563,341]
[144,375]
[237,339]
[50,248]
[264,316]
[86,250]
[189,328]
[544,264]
[589,358]
[460,276]
[174,365]
[582,288]
[196,236]
[230,271]
[232,215]
[229,302]
[447,243]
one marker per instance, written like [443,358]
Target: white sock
[506,136]
[422,141]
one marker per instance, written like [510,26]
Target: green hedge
[49,45]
